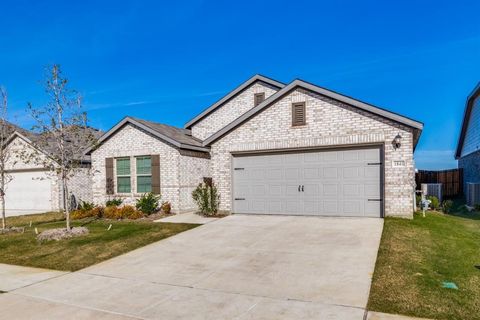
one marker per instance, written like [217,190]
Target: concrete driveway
[239,267]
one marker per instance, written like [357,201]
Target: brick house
[271,148]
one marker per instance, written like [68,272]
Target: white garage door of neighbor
[340,182]
[28,192]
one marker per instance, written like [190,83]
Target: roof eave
[155,133]
[311,87]
[466,118]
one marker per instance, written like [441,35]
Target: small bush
[447,206]
[418,199]
[434,204]
[114,202]
[148,203]
[207,198]
[111,212]
[129,212]
[95,212]
[86,206]
[166,207]
[476,207]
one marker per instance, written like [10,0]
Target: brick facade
[230,110]
[179,174]
[329,123]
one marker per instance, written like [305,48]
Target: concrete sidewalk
[15,277]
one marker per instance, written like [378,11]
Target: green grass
[416,256]
[77,253]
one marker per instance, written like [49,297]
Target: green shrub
[476,207]
[148,203]
[434,204]
[114,202]
[166,207]
[447,206]
[86,206]
[207,199]
[418,199]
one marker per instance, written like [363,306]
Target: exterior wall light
[397,141]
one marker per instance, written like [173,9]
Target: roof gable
[466,119]
[175,136]
[233,94]
[322,91]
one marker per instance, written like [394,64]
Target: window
[144,174]
[123,175]
[258,98]
[298,114]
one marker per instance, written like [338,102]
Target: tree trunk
[65,202]
[4,222]
[2,198]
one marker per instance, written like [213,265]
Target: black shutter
[156,174]
[109,184]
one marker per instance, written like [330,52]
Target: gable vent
[298,114]
[258,98]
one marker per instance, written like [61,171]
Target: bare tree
[61,131]
[4,154]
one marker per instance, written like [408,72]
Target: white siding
[472,136]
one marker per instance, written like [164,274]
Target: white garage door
[341,182]
[28,192]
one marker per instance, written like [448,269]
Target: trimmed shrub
[125,212]
[82,214]
[148,203]
[111,212]
[129,212]
[114,202]
[447,206]
[166,207]
[434,204]
[207,199]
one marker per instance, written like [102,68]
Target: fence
[451,180]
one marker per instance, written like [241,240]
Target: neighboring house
[33,186]
[468,148]
[271,148]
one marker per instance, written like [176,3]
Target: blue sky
[167,62]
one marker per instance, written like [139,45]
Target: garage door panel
[274,174]
[335,182]
[330,173]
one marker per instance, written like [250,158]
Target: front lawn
[77,253]
[417,256]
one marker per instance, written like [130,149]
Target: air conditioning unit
[473,194]
[433,189]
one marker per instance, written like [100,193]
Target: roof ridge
[230,95]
